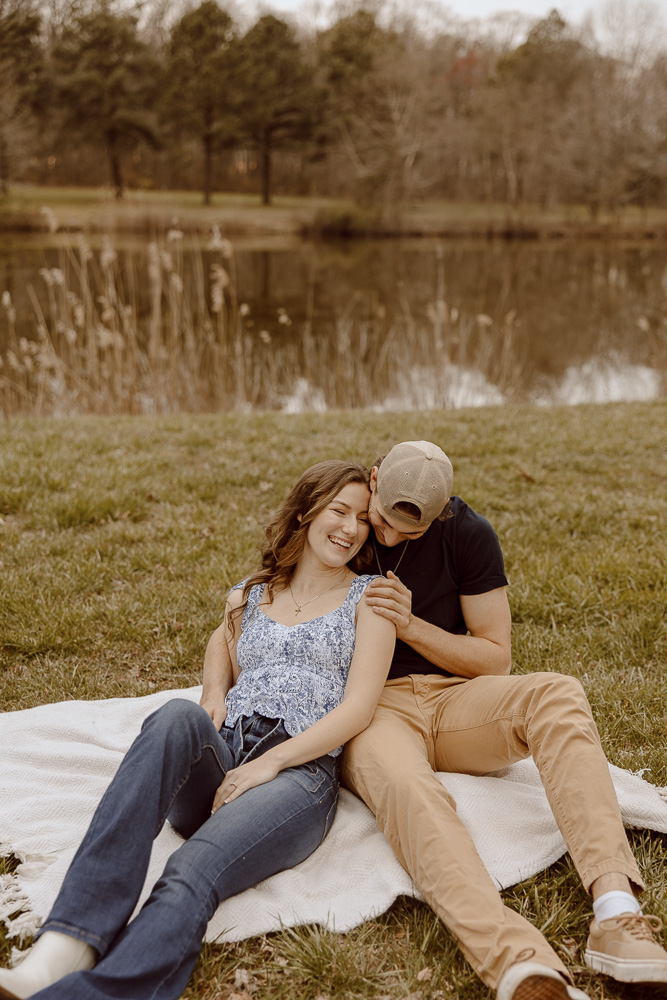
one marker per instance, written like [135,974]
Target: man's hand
[240,779]
[391,599]
[214,703]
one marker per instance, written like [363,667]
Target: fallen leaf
[425,975]
[525,475]
[241,977]
[570,946]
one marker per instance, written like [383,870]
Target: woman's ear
[299,518]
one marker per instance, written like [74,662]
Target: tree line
[384,111]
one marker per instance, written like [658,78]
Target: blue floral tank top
[296,673]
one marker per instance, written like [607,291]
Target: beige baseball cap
[419,473]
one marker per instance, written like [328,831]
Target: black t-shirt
[461,555]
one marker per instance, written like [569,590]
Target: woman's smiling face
[337,533]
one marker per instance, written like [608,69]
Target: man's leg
[489,722]
[390,766]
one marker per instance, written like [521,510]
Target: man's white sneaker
[534,981]
[626,949]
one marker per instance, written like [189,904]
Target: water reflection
[390,325]
[605,380]
[598,380]
[457,387]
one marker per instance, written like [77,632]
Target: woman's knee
[176,714]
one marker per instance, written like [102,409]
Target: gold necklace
[311,599]
[377,558]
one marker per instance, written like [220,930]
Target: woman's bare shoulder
[235,598]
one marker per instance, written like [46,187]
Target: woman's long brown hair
[286,534]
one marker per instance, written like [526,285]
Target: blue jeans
[172,771]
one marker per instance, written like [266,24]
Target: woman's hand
[239,779]
[214,704]
[391,599]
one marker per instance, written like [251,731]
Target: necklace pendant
[297,612]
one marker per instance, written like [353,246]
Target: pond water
[394,324]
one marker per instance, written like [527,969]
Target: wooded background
[378,105]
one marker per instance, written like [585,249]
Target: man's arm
[486,650]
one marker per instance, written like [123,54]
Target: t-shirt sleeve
[479,558]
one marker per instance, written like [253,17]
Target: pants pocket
[317,776]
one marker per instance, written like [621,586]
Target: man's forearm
[486,649]
[462,655]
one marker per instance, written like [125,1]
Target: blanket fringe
[15,910]
[662,792]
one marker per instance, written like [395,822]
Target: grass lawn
[120,537]
[96,210]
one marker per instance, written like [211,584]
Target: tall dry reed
[161,330]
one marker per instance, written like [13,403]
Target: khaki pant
[434,723]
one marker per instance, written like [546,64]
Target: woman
[250,776]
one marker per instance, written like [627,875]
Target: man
[449,704]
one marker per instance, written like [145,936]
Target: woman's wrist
[214,695]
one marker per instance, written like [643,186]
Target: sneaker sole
[627,970]
[541,988]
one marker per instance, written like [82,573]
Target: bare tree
[378,106]
[21,85]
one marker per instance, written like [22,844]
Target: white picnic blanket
[56,761]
